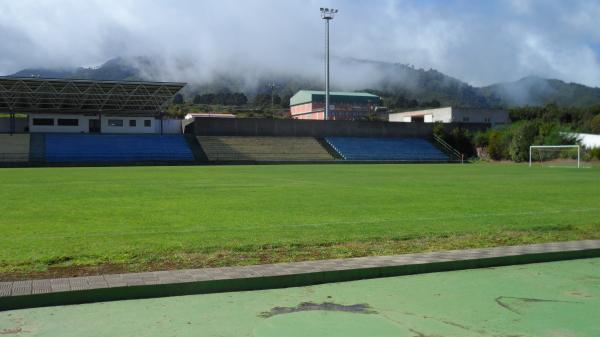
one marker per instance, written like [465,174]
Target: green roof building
[309,104]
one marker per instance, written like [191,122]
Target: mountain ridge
[388,79]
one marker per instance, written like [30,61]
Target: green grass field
[69,221]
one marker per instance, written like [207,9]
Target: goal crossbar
[532,147]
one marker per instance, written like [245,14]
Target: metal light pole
[327,14]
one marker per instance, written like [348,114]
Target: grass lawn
[71,221]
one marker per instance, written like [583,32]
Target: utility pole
[272,87]
[327,14]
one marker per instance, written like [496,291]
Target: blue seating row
[115,148]
[400,149]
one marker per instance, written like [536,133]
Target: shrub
[522,138]
[460,139]
[481,139]
[595,124]
[438,130]
[594,153]
[496,146]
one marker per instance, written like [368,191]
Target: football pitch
[71,221]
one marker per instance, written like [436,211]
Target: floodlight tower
[327,14]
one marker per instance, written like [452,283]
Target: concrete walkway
[542,299]
[46,292]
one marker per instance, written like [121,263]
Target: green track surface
[546,299]
[140,218]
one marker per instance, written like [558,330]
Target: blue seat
[87,148]
[399,149]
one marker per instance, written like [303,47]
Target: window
[487,120]
[115,122]
[68,122]
[132,123]
[43,121]
[465,119]
[147,123]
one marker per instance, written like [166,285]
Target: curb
[315,272]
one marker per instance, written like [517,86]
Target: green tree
[595,124]
[481,139]
[496,148]
[521,140]
[438,130]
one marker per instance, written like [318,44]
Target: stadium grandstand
[396,149]
[104,122]
[85,121]
[264,140]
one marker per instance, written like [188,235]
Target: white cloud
[522,6]
[480,43]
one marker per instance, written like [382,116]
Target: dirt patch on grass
[267,254]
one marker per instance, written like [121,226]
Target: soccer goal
[555,155]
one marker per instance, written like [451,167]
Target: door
[94,125]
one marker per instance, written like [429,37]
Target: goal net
[555,156]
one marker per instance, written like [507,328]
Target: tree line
[547,125]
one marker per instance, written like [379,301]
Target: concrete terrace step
[47,292]
[263,148]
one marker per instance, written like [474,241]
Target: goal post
[554,153]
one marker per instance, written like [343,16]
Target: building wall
[127,128]
[338,111]
[83,124]
[454,115]
[169,126]
[443,115]
[20,125]
[304,111]
[588,140]
[495,117]
[301,108]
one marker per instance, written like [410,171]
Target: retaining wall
[313,128]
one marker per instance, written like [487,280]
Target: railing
[449,149]
[291,157]
[96,157]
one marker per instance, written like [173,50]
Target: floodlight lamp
[328,13]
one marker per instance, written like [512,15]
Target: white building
[588,140]
[452,115]
[193,115]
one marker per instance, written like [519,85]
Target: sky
[480,42]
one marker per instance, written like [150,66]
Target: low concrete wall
[472,127]
[304,128]
[313,128]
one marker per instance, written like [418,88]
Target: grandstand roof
[307,96]
[50,95]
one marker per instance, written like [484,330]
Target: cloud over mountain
[480,42]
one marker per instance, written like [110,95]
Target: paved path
[32,293]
